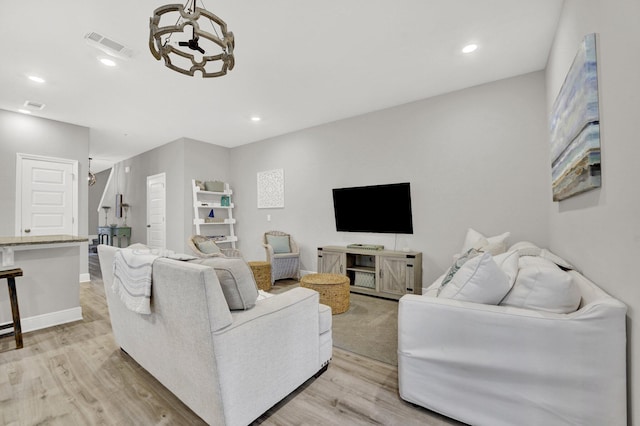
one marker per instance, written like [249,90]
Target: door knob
[27,230]
[148,226]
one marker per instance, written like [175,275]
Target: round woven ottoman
[262,274]
[333,289]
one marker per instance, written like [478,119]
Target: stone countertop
[41,239]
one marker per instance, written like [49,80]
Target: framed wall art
[575,127]
[271,189]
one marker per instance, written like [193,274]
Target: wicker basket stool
[333,289]
[262,274]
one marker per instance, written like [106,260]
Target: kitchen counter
[49,290]
[40,239]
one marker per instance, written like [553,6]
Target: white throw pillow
[479,280]
[494,245]
[457,264]
[542,286]
[526,248]
[508,262]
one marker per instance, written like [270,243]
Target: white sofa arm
[276,342]
[477,362]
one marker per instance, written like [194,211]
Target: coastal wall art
[575,127]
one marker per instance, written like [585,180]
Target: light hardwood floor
[74,374]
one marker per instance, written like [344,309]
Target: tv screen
[378,208]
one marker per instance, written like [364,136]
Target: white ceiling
[298,64]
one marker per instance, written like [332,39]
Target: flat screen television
[377,208]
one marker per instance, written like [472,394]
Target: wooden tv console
[383,273]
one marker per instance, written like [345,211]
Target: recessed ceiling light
[469,48]
[32,105]
[24,111]
[255,118]
[108,62]
[36,79]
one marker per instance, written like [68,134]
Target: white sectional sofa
[228,366]
[495,365]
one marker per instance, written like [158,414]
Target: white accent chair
[284,264]
[195,242]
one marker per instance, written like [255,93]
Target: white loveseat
[229,367]
[503,365]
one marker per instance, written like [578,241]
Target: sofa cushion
[325,317]
[541,285]
[279,243]
[236,279]
[479,280]
[494,245]
[526,248]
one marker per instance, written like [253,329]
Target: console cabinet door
[394,275]
[330,262]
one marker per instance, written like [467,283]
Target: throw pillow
[208,247]
[479,280]
[138,246]
[236,279]
[541,285]
[526,248]
[494,245]
[508,262]
[280,243]
[457,264]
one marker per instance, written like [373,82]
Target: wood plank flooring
[74,374]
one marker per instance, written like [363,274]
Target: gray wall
[475,158]
[181,160]
[202,161]
[20,133]
[600,230]
[168,159]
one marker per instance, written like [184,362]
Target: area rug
[368,328]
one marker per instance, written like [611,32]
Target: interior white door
[46,196]
[156,211]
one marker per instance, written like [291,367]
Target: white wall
[477,157]
[38,136]
[600,230]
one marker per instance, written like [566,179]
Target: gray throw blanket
[132,272]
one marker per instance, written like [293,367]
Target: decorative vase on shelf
[106,210]
[125,208]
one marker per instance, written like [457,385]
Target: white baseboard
[85,278]
[49,320]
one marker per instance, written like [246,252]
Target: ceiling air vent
[108,46]
[33,105]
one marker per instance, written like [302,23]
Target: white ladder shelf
[212,217]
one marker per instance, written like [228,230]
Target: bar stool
[11,275]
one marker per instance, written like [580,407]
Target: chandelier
[196,49]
